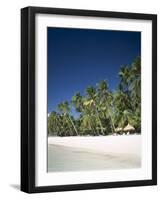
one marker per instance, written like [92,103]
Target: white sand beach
[124,144]
[94,153]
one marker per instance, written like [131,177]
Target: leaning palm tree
[54,124]
[135,81]
[122,106]
[92,102]
[78,102]
[65,110]
[90,115]
[106,101]
[125,76]
[65,122]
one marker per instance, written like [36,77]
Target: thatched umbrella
[129,128]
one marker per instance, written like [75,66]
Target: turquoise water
[62,158]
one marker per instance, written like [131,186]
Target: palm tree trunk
[73,125]
[100,125]
[60,125]
[67,121]
[70,129]
[99,120]
[113,126]
[91,127]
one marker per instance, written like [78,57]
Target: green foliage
[101,110]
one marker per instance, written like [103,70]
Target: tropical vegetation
[101,111]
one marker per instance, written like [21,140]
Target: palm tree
[65,110]
[54,124]
[124,75]
[92,102]
[89,115]
[128,97]
[106,101]
[77,102]
[135,81]
[123,111]
[81,105]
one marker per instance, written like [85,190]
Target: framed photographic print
[88,99]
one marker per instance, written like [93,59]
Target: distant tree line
[101,111]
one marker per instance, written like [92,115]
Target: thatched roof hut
[129,128]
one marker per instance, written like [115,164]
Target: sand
[129,145]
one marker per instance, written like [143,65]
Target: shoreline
[129,145]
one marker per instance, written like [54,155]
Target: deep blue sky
[78,58]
